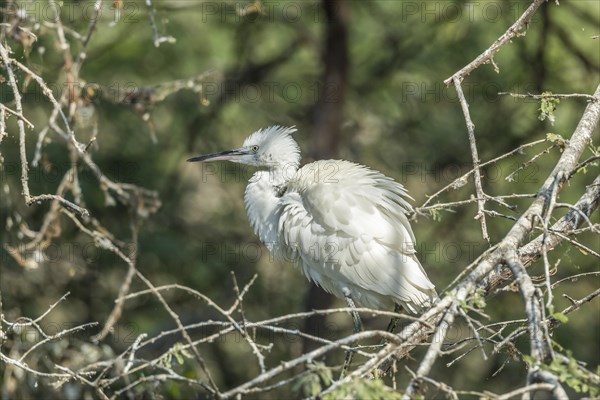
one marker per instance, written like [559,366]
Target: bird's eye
[254,148]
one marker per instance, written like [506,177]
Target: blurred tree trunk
[329,108]
[539,61]
[327,124]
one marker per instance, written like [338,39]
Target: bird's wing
[348,223]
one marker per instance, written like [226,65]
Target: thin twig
[158,38]
[458,181]
[474,155]
[16,114]
[550,96]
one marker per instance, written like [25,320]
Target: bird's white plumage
[344,224]
[347,229]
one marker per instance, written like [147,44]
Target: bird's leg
[394,321]
[392,325]
[355,316]
[357,328]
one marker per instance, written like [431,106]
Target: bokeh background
[361,81]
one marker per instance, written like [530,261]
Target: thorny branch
[477,172]
[488,55]
[507,247]
[550,96]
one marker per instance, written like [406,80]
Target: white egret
[344,224]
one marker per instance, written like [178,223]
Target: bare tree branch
[488,55]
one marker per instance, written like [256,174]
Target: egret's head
[270,148]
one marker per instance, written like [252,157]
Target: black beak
[223,155]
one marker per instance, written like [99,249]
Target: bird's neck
[262,199]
